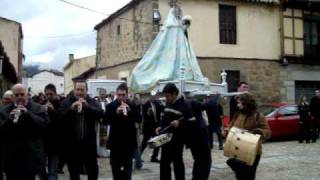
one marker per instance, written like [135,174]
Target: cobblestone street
[280,161]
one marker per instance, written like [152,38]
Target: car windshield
[268,110]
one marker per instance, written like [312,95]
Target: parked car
[283,119]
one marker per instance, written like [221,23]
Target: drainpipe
[281,9]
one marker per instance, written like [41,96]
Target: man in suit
[122,115]
[80,113]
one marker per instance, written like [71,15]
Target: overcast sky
[53,29]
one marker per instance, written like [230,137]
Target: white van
[94,85]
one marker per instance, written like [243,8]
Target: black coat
[196,132]
[214,111]
[179,110]
[122,138]
[314,108]
[53,135]
[79,128]
[23,147]
[233,107]
[304,110]
[149,121]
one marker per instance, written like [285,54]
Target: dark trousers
[242,170]
[1,162]
[89,160]
[53,167]
[304,131]
[20,176]
[314,129]
[121,165]
[217,130]
[146,138]
[137,158]
[61,162]
[201,153]
[172,152]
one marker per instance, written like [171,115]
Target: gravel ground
[280,161]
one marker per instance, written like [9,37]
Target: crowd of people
[40,134]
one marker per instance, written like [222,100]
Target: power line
[59,36]
[98,12]
[82,7]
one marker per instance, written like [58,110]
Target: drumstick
[162,131]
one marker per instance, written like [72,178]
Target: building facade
[252,41]
[76,67]
[11,37]
[37,82]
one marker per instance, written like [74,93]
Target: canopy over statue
[170,51]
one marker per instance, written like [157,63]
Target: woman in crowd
[250,119]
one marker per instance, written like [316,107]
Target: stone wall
[10,37]
[76,67]
[115,71]
[263,76]
[296,72]
[135,35]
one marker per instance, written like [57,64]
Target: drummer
[250,119]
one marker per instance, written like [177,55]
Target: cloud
[42,21]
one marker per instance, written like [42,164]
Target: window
[124,79]
[312,36]
[233,79]
[289,111]
[118,30]
[227,24]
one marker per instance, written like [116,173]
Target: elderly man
[7,98]
[21,126]
[80,113]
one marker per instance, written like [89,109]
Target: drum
[242,145]
[160,140]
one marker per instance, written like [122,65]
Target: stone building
[8,75]
[11,55]
[272,45]
[76,67]
[11,37]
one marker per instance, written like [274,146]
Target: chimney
[71,57]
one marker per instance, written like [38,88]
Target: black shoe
[308,142]
[300,141]
[220,147]
[155,160]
